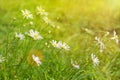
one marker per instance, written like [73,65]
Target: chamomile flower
[35,57]
[46,20]
[75,65]
[41,11]
[95,60]
[60,45]
[27,14]
[88,31]
[37,60]
[102,46]
[54,43]
[63,45]
[115,37]
[2,59]
[20,36]
[34,34]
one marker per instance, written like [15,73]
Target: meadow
[59,40]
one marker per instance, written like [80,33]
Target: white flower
[34,34]
[37,60]
[95,60]
[75,65]
[41,11]
[97,39]
[60,45]
[46,20]
[88,31]
[63,45]
[2,59]
[102,46]
[54,43]
[20,36]
[27,14]
[115,37]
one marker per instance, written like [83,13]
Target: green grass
[80,22]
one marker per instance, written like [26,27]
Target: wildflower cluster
[36,48]
[44,14]
[35,57]
[33,34]
[60,45]
[101,43]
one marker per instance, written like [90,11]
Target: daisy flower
[20,36]
[34,34]
[2,59]
[27,14]
[102,46]
[54,43]
[63,45]
[41,11]
[95,60]
[75,65]
[60,45]
[37,60]
[115,37]
[46,20]
[35,57]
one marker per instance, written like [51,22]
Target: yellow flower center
[36,36]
